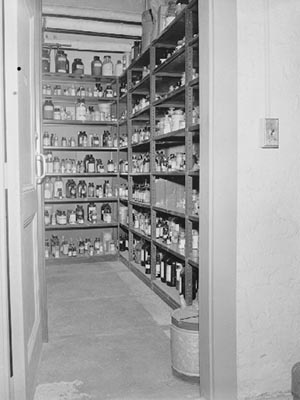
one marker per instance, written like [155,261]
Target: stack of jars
[171,122]
[142,254]
[140,135]
[123,191]
[172,162]
[124,140]
[171,232]
[141,193]
[123,166]
[141,163]
[60,247]
[141,104]
[142,221]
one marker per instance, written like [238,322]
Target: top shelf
[56,77]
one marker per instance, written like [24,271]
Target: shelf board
[123,199]
[194,83]
[77,148]
[87,175]
[139,271]
[122,122]
[194,42]
[73,99]
[173,32]
[175,213]
[141,234]
[139,174]
[73,78]
[194,128]
[194,173]
[124,174]
[142,87]
[172,99]
[172,249]
[86,225]
[170,173]
[77,122]
[140,204]
[80,259]
[140,145]
[142,114]
[82,200]
[123,97]
[194,218]
[171,135]
[169,295]
[124,226]
[173,65]
[142,60]
[124,256]
[194,261]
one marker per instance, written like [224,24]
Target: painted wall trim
[218,198]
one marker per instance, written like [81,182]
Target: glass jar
[109,91]
[107,66]
[80,110]
[45,60]
[61,217]
[92,213]
[110,166]
[96,66]
[119,68]
[48,109]
[56,113]
[72,217]
[80,214]
[77,67]
[61,62]
[48,189]
[46,139]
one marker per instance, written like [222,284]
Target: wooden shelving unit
[69,128]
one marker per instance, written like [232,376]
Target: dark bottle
[157,265]
[143,255]
[77,67]
[92,213]
[181,288]
[148,265]
[96,66]
[80,214]
[61,62]
[163,269]
[82,139]
[48,109]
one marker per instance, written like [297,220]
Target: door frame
[218,198]
[5,379]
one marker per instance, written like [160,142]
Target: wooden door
[22,76]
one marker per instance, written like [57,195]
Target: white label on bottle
[168,273]
[162,270]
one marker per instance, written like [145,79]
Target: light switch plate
[270,133]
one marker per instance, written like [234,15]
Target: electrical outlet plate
[270,133]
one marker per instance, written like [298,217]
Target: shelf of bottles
[159,204]
[81,147]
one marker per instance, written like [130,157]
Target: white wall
[268,244]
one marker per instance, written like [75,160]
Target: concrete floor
[108,338]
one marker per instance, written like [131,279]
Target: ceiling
[95,25]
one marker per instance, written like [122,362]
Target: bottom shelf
[81,259]
[168,294]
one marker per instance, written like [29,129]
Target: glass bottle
[77,67]
[148,265]
[107,66]
[92,213]
[45,60]
[96,66]
[48,189]
[48,109]
[119,68]
[80,110]
[61,62]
